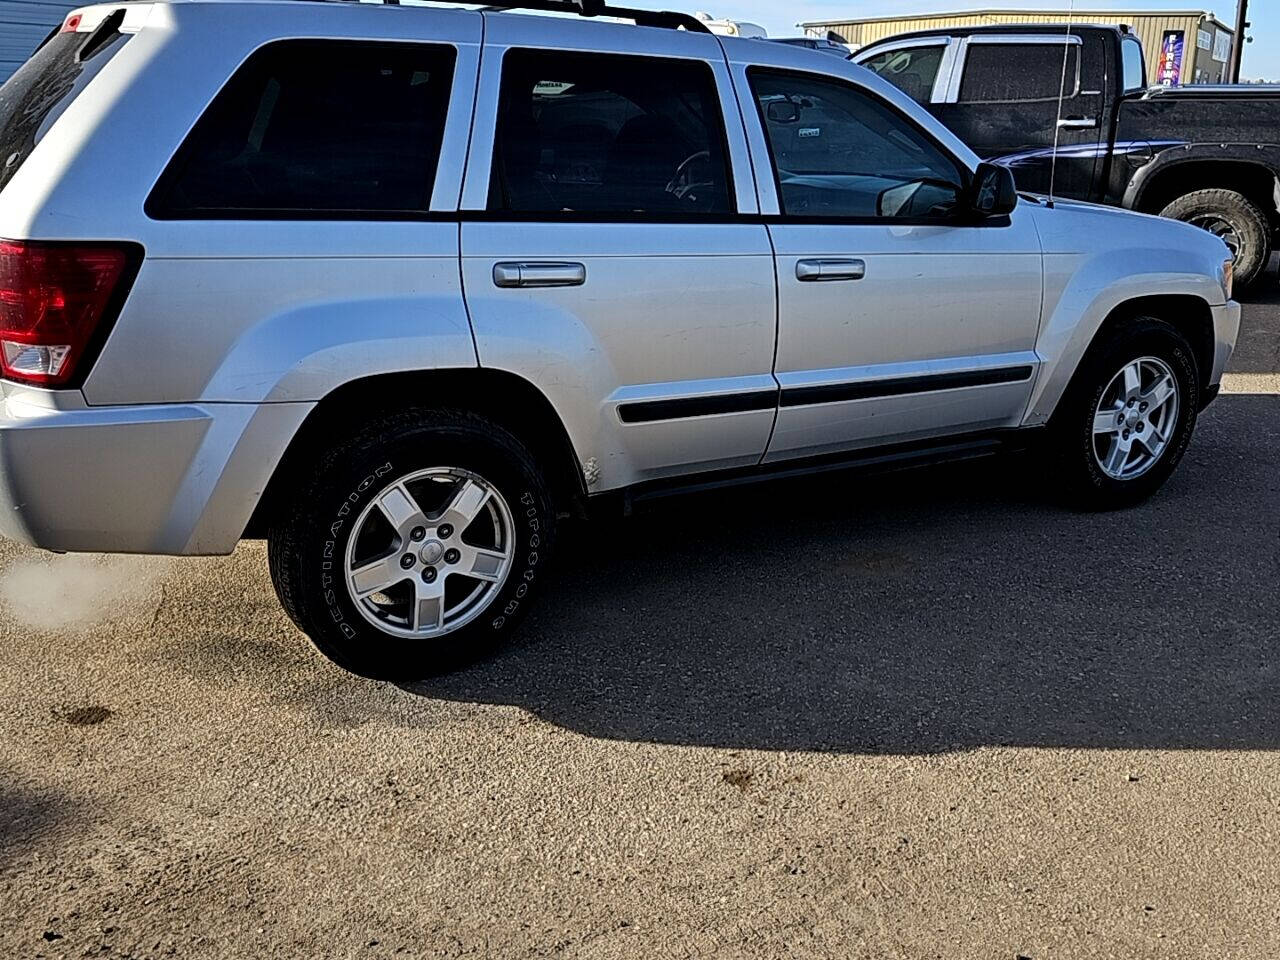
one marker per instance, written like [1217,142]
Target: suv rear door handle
[1078,123]
[823,271]
[522,274]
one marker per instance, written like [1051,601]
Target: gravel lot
[929,715]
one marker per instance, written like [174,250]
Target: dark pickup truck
[1209,155]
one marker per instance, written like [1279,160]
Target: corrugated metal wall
[1150,29]
[23,24]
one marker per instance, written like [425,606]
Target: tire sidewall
[354,481]
[1148,338]
[1248,221]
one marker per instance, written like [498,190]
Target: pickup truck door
[1002,100]
[612,249]
[897,321]
[999,94]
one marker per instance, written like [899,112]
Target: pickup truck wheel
[1236,219]
[415,546]
[1128,415]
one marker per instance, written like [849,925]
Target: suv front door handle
[526,274]
[1078,123]
[824,271]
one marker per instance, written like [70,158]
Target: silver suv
[399,287]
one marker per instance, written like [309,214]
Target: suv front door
[899,319]
[605,251]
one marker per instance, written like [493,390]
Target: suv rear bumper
[170,479]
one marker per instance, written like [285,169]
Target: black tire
[307,547]
[1245,218]
[1071,431]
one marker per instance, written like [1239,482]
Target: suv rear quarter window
[316,128]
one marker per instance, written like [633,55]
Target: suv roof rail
[668,19]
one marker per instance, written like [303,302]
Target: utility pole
[1237,42]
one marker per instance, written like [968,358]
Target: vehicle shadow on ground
[29,817]
[934,610]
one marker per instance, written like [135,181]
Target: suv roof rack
[668,19]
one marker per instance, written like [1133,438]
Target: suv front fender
[1082,292]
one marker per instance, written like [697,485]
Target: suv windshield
[34,97]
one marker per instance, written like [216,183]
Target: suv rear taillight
[56,302]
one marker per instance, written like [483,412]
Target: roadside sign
[1169,70]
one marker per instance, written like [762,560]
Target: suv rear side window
[602,133]
[1018,72]
[43,87]
[316,128]
[911,69]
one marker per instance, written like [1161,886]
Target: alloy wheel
[429,554]
[1220,227]
[1135,418]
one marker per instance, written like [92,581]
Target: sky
[1261,57]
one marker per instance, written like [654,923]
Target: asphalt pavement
[926,715]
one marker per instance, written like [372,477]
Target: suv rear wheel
[1234,218]
[414,547]
[1128,415]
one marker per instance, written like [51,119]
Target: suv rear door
[609,252]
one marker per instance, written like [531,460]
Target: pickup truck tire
[1234,217]
[1127,417]
[414,546]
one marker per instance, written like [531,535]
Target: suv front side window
[912,70]
[594,133]
[841,152]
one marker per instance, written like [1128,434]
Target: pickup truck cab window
[597,133]
[1135,70]
[839,151]
[1019,72]
[912,69]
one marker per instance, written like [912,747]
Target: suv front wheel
[416,546]
[1128,415]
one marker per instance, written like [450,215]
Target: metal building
[1193,45]
[23,24]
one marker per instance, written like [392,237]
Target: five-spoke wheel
[1135,417]
[1127,417]
[414,543]
[430,552]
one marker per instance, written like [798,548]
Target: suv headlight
[1228,276]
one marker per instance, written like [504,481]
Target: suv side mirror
[993,192]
